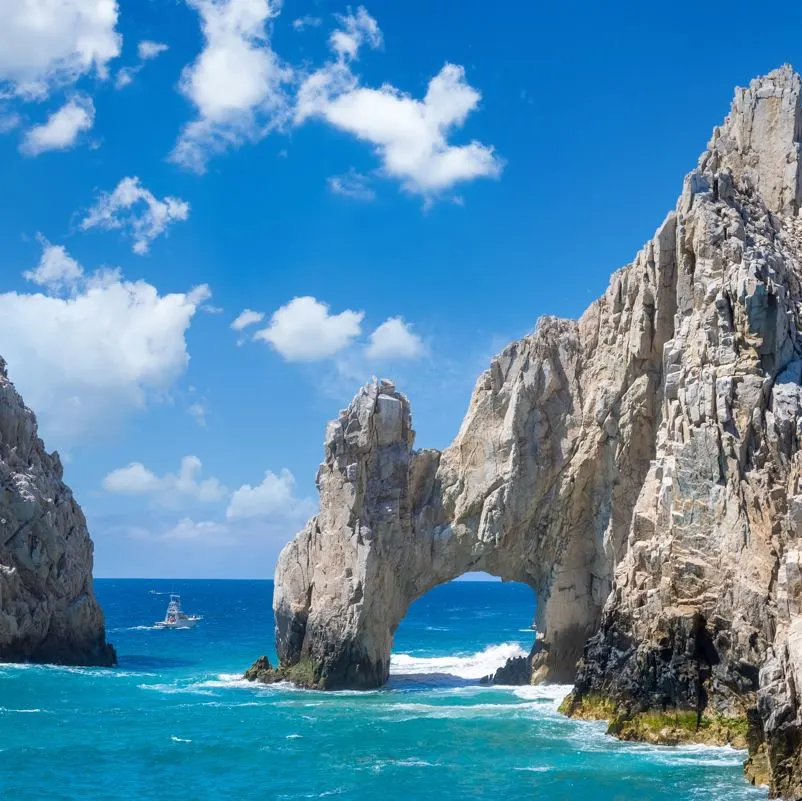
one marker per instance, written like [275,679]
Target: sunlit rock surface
[48,612]
[639,468]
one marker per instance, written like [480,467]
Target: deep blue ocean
[174,720]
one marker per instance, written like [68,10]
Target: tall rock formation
[640,468]
[48,612]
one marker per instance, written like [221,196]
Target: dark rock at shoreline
[48,610]
[516,671]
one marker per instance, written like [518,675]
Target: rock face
[640,468]
[48,612]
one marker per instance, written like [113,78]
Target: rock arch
[538,487]
[649,453]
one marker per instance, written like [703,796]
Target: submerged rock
[48,611]
[640,469]
[517,670]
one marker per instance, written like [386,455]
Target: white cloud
[62,128]
[275,496]
[86,361]
[147,50]
[130,206]
[353,185]
[208,532]
[247,317]
[135,479]
[236,83]
[198,411]
[306,22]
[356,30]
[45,44]
[9,120]
[393,339]
[125,76]
[199,532]
[305,331]
[172,489]
[56,270]
[409,136]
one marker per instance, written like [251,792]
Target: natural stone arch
[538,487]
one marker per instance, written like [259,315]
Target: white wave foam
[19,711]
[179,739]
[293,737]
[720,756]
[473,666]
[546,695]
[403,712]
[174,689]
[96,672]
[409,762]
[208,686]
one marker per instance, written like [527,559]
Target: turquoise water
[175,722]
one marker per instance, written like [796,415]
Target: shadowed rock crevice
[639,468]
[48,612]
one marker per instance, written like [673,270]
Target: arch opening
[394,523]
[462,632]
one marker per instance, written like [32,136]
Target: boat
[174,618]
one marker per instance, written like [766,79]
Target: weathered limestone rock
[48,612]
[640,468]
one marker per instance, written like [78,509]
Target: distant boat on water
[174,618]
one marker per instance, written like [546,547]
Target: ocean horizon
[176,720]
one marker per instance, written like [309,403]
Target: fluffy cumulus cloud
[46,44]
[134,209]
[306,331]
[353,185]
[237,82]
[394,339]
[147,50]
[411,137]
[355,30]
[247,317]
[171,489]
[62,129]
[308,21]
[56,270]
[87,350]
[275,496]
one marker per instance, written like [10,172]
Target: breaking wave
[473,666]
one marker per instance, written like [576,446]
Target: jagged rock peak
[640,469]
[760,139]
[48,612]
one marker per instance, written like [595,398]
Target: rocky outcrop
[640,469]
[48,612]
[516,671]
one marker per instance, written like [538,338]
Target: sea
[176,721]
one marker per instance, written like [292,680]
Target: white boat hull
[189,623]
[174,618]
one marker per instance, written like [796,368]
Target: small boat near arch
[175,618]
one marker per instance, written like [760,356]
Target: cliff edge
[640,468]
[48,612]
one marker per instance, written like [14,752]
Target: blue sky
[428,182]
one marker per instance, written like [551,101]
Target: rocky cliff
[48,612]
[640,468]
